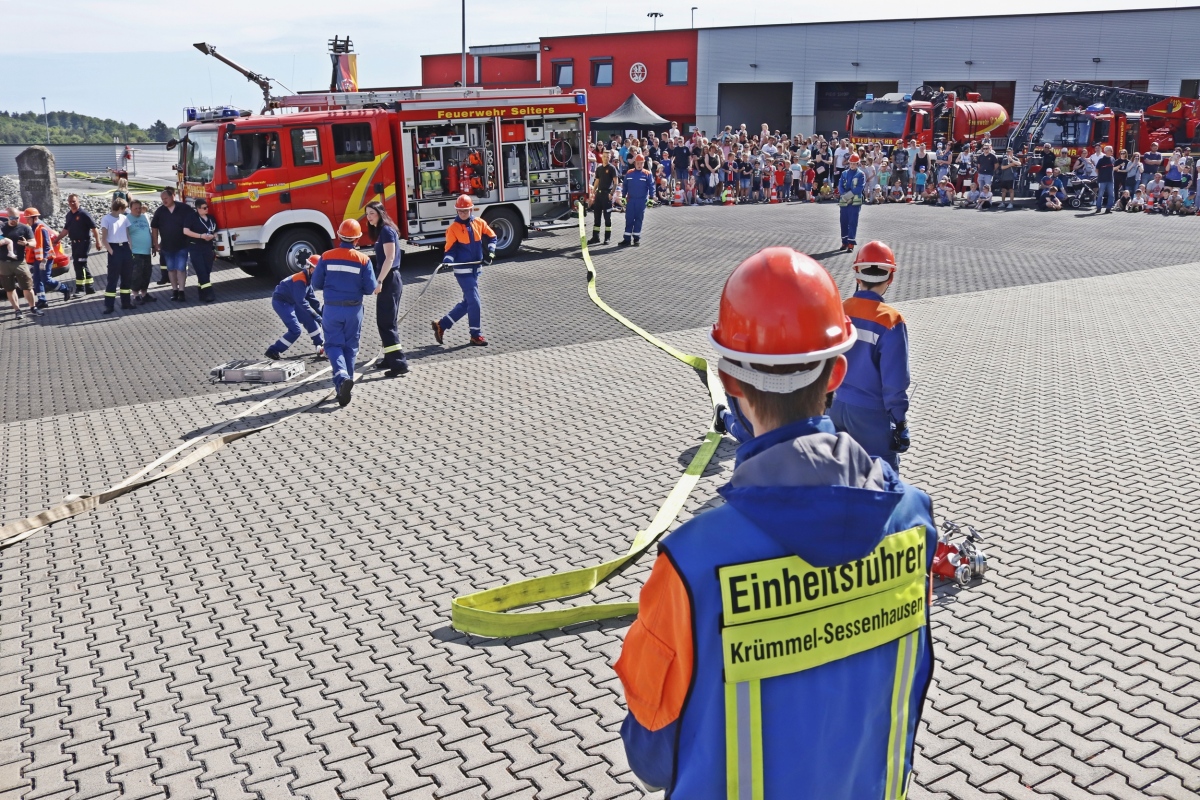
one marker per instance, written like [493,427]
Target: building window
[564,73]
[352,143]
[602,72]
[1189,87]
[677,72]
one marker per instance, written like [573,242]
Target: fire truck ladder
[1053,94]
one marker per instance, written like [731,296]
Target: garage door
[754,104]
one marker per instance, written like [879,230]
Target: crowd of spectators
[178,234]
[740,166]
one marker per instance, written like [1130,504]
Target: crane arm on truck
[262,81]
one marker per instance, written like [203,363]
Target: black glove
[900,441]
[489,258]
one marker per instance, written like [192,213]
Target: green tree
[66,127]
[159,132]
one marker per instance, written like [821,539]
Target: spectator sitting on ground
[877,197]
[1047,196]
[895,193]
[1172,203]
[945,192]
[1124,200]
[985,198]
[973,195]
[1154,189]
[1138,201]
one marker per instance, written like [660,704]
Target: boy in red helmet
[470,244]
[782,643]
[872,404]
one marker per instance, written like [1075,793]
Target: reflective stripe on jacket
[466,241]
[297,292]
[344,275]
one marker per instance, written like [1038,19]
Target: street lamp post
[694,15]
[654,15]
[464,43]
[46,118]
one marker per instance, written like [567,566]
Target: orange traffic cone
[774,197]
[678,201]
[727,197]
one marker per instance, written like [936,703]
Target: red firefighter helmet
[780,307]
[464,203]
[876,260]
[350,229]
[854,159]
[312,260]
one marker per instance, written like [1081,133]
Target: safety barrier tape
[485,613]
[22,529]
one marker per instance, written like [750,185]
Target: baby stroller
[1080,192]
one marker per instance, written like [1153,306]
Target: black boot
[595,238]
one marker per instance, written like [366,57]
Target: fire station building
[805,77]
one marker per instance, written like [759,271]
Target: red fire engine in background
[280,182]
[927,116]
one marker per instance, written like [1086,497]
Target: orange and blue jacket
[296,291]
[345,275]
[466,242]
[878,375]
[42,248]
[841,729]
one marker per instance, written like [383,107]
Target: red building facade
[658,66]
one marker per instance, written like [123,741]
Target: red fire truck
[279,183]
[927,115]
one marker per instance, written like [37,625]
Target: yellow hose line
[484,613]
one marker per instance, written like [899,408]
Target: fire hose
[22,529]
[485,613]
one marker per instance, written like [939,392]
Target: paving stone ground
[274,621]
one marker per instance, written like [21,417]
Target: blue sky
[135,62]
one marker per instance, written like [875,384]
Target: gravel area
[96,205]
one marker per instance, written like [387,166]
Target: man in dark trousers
[79,227]
[602,189]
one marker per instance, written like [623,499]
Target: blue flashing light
[191,113]
[580,99]
[1096,107]
[870,97]
[908,98]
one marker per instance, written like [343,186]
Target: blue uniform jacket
[297,292]
[344,275]
[639,186]
[840,730]
[853,181]
[877,376]
[466,241]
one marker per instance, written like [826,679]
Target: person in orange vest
[40,258]
[470,244]
[782,645]
[345,276]
[872,404]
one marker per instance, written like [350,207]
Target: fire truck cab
[279,183]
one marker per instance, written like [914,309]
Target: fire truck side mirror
[233,152]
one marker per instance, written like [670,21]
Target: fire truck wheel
[509,229]
[292,247]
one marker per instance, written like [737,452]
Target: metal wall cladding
[1156,46]
[95,158]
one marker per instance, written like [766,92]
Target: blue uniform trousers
[42,279]
[635,212]
[387,315]
[871,428]
[849,215]
[287,315]
[469,305]
[343,329]
[202,256]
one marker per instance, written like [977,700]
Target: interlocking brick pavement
[275,620]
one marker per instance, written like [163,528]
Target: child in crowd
[810,178]
[920,178]
[781,180]
[984,200]
[973,195]
[1173,202]
[884,173]
[756,182]
[877,197]
[1124,200]
[796,172]
[895,193]
[945,192]
[1138,201]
